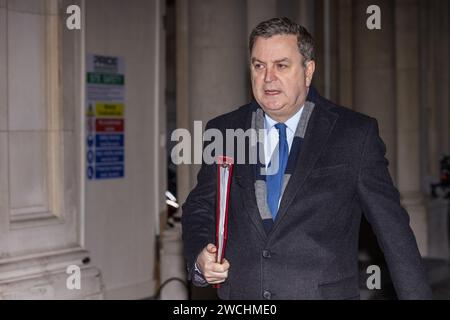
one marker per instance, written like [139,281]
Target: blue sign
[90,140]
[109,171]
[109,155]
[90,172]
[109,140]
[90,156]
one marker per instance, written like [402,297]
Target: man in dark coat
[293,234]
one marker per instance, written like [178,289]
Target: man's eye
[258,66]
[282,66]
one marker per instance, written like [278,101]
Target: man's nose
[270,75]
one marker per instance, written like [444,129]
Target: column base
[43,276]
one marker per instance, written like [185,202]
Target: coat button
[267,295]
[266,254]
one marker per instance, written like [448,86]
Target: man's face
[279,81]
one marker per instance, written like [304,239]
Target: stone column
[318,34]
[441,83]
[258,11]
[434,119]
[306,15]
[182,90]
[217,60]
[345,62]
[408,109]
[437,83]
[430,47]
[374,72]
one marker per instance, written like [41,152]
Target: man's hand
[212,271]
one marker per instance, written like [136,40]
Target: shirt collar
[291,123]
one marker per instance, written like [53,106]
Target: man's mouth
[272,92]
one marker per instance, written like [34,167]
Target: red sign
[109,125]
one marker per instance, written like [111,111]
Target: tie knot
[281,127]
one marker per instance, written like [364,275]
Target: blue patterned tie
[275,181]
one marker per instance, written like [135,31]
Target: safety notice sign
[105,117]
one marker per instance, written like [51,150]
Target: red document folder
[224,173]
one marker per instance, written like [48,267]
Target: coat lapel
[245,178]
[319,128]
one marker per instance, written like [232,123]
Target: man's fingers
[225,264]
[219,268]
[216,281]
[213,277]
[207,254]
[211,248]
[214,274]
[212,271]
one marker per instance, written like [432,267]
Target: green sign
[105,78]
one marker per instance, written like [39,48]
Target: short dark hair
[284,26]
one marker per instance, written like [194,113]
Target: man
[294,235]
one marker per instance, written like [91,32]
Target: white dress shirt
[271,133]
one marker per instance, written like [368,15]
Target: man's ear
[309,72]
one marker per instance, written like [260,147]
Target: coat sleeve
[380,202]
[198,219]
